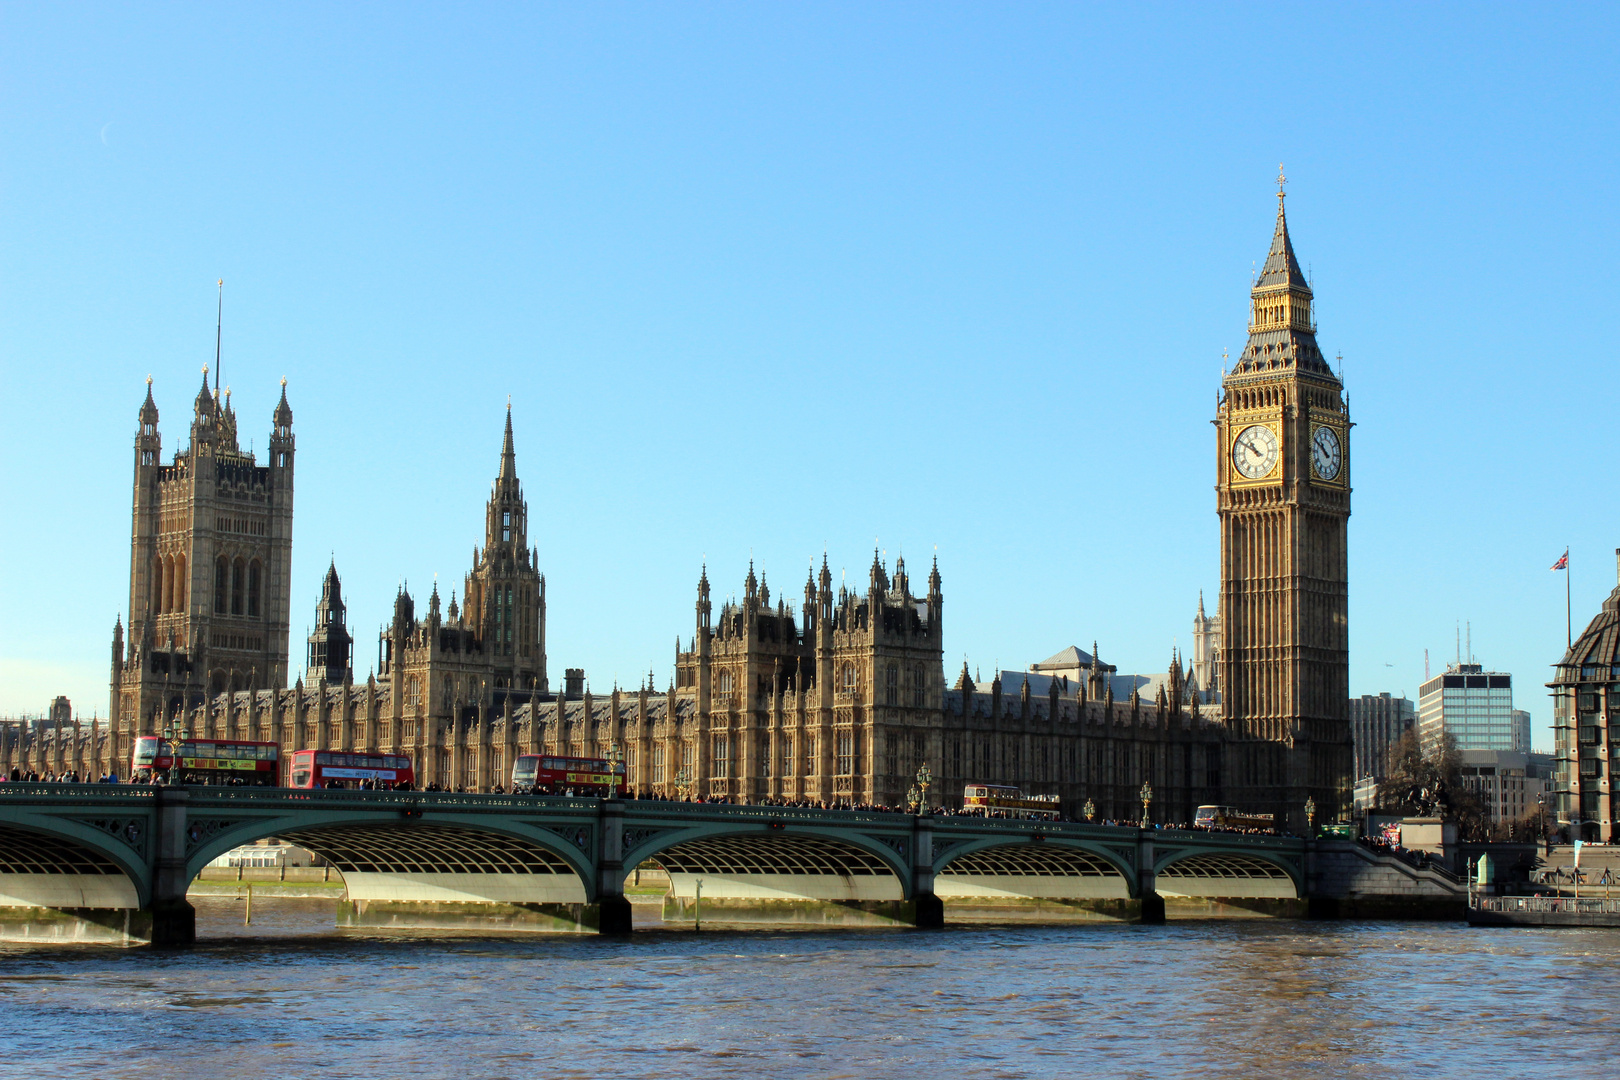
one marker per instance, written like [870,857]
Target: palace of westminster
[838,699]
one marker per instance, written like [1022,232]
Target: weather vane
[1282,182]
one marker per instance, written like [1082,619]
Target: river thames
[291,996]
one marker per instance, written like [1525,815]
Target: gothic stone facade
[210,566]
[839,702]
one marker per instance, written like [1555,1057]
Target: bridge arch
[69,865]
[777,861]
[1217,873]
[426,857]
[1052,868]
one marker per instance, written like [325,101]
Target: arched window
[506,526]
[722,684]
[181,583]
[165,586]
[253,589]
[891,685]
[222,585]
[238,573]
[848,680]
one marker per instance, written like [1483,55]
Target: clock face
[1325,454]
[1255,451]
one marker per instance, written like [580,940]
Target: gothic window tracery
[222,585]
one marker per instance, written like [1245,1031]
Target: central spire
[508,455]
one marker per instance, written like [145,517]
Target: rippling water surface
[290,996]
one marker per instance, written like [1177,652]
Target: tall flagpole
[219,328]
[1569,635]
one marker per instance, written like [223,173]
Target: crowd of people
[161,778]
[1384,845]
[29,776]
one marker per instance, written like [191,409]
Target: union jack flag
[1562,563]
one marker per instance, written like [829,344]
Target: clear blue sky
[771,278]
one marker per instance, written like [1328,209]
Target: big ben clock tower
[1283,495]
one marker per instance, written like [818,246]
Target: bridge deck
[453,848]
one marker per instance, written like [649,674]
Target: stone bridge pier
[173,919]
[613,907]
[930,909]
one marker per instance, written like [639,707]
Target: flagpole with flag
[1563,564]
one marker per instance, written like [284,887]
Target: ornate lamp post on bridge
[175,735]
[683,782]
[615,756]
[1310,815]
[1089,810]
[925,778]
[1147,797]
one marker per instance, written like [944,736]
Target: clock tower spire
[1283,497]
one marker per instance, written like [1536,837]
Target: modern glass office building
[1474,707]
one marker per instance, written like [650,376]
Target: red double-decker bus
[583,776]
[207,761]
[336,768]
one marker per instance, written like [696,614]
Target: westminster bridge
[121,858]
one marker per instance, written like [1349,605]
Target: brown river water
[291,996]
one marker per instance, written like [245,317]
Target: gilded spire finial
[1282,183]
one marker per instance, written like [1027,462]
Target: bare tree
[1421,786]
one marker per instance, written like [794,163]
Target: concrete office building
[1508,781]
[1474,707]
[1377,722]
